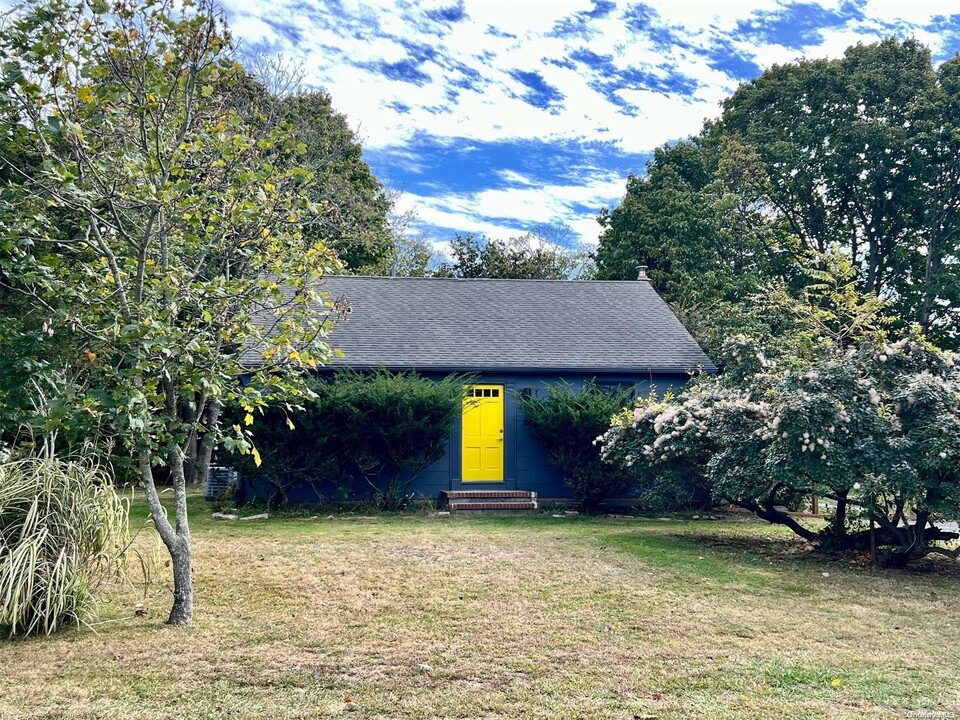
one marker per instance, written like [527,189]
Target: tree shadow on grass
[760,561]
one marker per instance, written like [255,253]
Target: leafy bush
[381,427]
[836,407]
[567,424]
[676,482]
[875,429]
[63,531]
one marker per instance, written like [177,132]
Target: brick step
[492,505]
[489,494]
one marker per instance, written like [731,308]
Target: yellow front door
[483,434]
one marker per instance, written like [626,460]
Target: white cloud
[698,15]
[920,12]
[492,109]
[485,211]
[469,91]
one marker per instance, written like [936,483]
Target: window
[485,392]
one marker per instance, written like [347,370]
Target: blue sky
[498,116]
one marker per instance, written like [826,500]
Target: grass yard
[520,617]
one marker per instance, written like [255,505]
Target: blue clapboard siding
[525,460]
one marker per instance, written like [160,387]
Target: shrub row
[381,429]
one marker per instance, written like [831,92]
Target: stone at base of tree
[223,516]
[261,516]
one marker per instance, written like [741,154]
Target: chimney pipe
[642,272]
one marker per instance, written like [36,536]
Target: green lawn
[520,617]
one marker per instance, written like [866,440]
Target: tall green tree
[355,224]
[861,151]
[155,230]
[696,221]
[412,256]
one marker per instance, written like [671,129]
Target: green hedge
[382,428]
[567,423]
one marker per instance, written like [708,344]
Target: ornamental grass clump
[63,533]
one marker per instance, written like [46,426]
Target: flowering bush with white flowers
[660,445]
[874,428]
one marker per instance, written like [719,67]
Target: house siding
[525,460]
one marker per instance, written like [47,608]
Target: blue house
[515,337]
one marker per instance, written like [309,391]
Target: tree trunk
[182,611]
[177,541]
[910,539]
[190,468]
[930,271]
[768,512]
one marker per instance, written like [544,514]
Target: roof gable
[485,324]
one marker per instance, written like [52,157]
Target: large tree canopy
[859,152]
[862,151]
[356,223]
[694,221]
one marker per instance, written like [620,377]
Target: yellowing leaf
[168,56]
[206,90]
[85,94]
[256,457]
[290,424]
[248,419]
[269,187]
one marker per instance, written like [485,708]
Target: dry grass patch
[416,617]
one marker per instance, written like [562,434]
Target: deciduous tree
[156,231]
[861,151]
[526,257]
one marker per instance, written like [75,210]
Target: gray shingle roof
[449,324]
